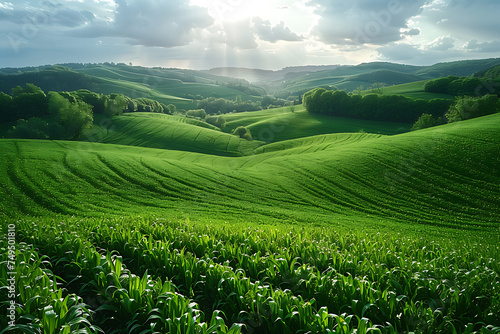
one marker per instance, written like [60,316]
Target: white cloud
[243,34]
[475,46]
[443,43]
[363,21]
[46,15]
[279,32]
[465,18]
[399,52]
[152,23]
[288,32]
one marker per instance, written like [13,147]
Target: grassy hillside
[168,132]
[446,176]
[175,86]
[165,83]
[351,77]
[280,124]
[414,90]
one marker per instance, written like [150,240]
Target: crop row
[277,280]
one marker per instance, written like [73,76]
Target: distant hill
[184,87]
[256,75]
[49,79]
[350,77]
[460,68]
[386,76]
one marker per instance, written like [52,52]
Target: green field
[329,176]
[164,85]
[168,132]
[281,124]
[169,225]
[155,223]
[414,90]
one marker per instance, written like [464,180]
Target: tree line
[392,108]
[482,83]
[464,108]
[217,106]
[64,115]
[214,105]
[468,86]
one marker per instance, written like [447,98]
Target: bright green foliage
[469,86]
[148,105]
[242,132]
[278,279]
[68,120]
[395,108]
[281,124]
[115,104]
[74,117]
[199,113]
[425,121]
[218,121]
[472,107]
[214,105]
[337,233]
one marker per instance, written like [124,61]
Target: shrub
[472,107]
[218,121]
[242,132]
[200,113]
[425,121]
[33,128]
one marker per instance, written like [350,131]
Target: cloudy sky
[269,34]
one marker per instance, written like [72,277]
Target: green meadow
[340,232]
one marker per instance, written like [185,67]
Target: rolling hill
[444,176]
[183,87]
[168,132]
[280,124]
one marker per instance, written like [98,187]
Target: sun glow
[233,10]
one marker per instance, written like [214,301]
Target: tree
[218,121]
[6,108]
[171,109]
[96,100]
[199,113]
[312,100]
[29,102]
[266,101]
[73,117]
[115,104]
[472,107]
[439,85]
[33,128]
[243,132]
[425,121]
[377,87]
